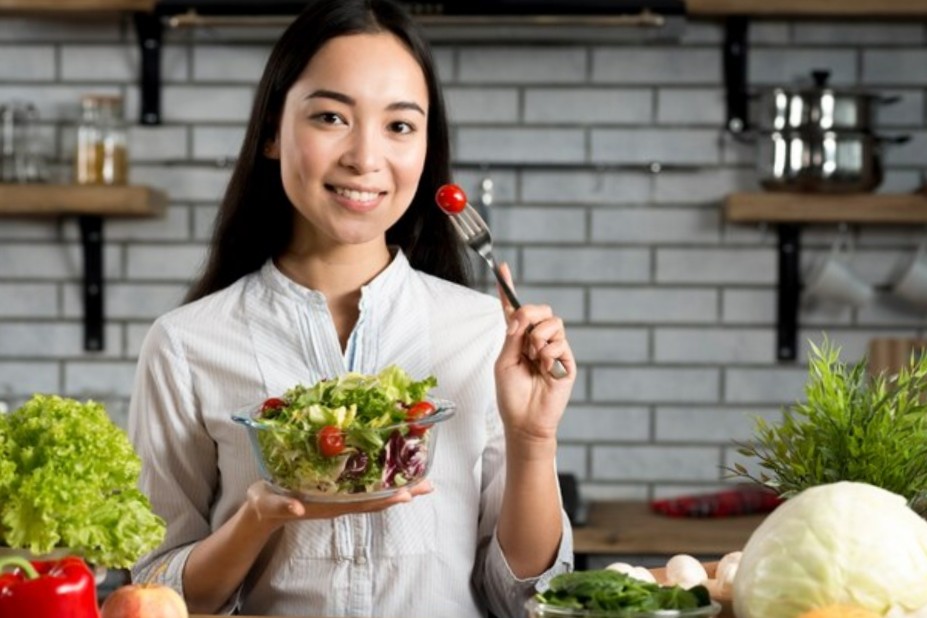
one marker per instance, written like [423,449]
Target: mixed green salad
[352,434]
[610,591]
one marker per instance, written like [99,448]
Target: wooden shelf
[90,204]
[66,6]
[808,8]
[106,201]
[789,211]
[769,8]
[821,208]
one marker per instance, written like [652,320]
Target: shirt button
[360,560]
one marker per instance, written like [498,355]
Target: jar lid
[101,100]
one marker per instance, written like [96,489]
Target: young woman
[329,256]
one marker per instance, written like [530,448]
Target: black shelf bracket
[735,73]
[150,33]
[91,236]
[789,290]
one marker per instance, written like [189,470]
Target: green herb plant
[68,478]
[851,427]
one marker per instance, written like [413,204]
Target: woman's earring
[270,150]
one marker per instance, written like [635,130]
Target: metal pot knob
[820,77]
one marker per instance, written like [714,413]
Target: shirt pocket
[404,529]
[309,539]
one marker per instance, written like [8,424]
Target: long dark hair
[255,220]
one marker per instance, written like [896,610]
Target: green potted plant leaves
[68,479]
[851,427]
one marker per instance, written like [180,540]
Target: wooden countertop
[631,528]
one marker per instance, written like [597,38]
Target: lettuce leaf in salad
[362,406]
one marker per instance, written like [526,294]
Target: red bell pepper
[47,589]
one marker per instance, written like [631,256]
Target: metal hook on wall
[486,191]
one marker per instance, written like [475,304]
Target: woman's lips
[357,200]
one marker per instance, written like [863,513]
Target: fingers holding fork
[545,341]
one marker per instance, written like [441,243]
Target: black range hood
[471,20]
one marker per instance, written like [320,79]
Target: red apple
[144,601]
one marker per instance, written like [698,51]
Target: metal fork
[472,229]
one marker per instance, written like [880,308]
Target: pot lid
[819,85]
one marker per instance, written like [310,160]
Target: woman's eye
[329,118]
[401,127]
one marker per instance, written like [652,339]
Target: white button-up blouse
[435,557]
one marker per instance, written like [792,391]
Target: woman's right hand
[271,509]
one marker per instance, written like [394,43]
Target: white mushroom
[621,567]
[685,571]
[639,573]
[643,574]
[727,569]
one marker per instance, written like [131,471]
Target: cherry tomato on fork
[417,410]
[451,199]
[331,441]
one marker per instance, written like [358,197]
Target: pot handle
[749,135]
[894,139]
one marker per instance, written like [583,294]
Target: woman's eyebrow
[347,100]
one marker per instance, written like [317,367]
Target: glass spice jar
[20,160]
[102,156]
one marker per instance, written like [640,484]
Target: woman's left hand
[532,401]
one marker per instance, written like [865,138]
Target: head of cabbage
[842,543]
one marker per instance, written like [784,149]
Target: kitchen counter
[632,529]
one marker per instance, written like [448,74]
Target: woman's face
[352,140]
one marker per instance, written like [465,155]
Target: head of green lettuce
[68,478]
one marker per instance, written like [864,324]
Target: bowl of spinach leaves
[610,594]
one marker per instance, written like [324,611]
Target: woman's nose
[364,152]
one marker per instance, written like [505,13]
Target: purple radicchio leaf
[355,466]
[405,457]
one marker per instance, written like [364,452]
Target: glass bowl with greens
[352,438]
[610,594]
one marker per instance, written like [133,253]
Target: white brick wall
[670,309]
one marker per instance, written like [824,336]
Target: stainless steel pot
[818,107]
[821,161]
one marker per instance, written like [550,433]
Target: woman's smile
[357,200]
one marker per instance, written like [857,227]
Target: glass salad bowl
[322,454]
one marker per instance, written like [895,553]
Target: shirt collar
[383,286]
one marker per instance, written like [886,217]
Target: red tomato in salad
[274,403]
[451,199]
[331,441]
[419,409]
